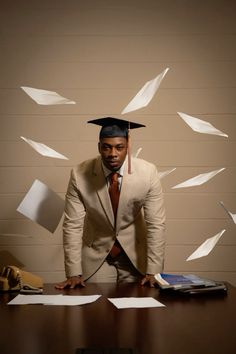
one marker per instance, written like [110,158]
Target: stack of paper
[189,283]
[177,281]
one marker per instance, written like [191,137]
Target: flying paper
[200,126]
[198,180]
[138,152]
[163,174]
[145,95]
[233,216]
[43,206]
[45,97]
[43,149]
[206,247]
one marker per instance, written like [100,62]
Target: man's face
[113,152]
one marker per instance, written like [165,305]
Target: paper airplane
[145,95]
[206,247]
[42,205]
[45,97]
[200,126]
[163,174]
[233,216]
[44,150]
[198,180]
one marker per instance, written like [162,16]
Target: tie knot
[114,177]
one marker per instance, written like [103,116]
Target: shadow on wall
[6,258]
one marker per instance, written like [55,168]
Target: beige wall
[100,53]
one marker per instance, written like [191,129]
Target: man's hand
[71,283]
[149,280]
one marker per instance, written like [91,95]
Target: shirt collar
[107,172]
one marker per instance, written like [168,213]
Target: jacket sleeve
[154,214]
[73,228]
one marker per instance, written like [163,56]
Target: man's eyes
[119,147]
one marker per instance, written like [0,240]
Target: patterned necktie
[114,192]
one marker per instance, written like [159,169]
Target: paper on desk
[59,300]
[33,299]
[145,95]
[135,302]
[42,205]
[206,247]
[233,216]
[45,97]
[163,174]
[200,126]
[43,149]
[199,179]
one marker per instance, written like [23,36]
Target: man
[114,218]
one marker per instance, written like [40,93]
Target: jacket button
[107,250]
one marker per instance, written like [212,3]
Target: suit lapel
[102,191]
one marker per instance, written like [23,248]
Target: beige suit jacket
[89,229]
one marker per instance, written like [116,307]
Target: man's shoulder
[144,169]
[141,164]
[86,166]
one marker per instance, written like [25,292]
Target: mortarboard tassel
[129,150]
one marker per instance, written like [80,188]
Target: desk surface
[197,324]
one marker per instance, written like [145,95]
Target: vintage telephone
[15,279]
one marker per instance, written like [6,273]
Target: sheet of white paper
[206,247]
[232,216]
[200,126]
[59,300]
[199,179]
[138,152]
[43,149]
[135,302]
[33,299]
[45,97]
[145,95]
[163,174]
[42,205]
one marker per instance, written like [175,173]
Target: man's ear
[99,147]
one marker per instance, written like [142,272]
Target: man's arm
[154,214]
[72,235]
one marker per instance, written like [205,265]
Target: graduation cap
[114,127]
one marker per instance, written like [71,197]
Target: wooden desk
[202,324]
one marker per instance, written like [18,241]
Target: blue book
[180,281]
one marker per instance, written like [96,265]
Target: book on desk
[188,283]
